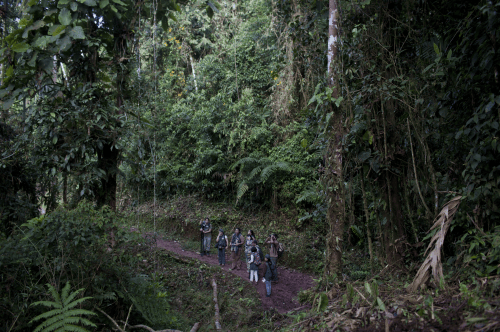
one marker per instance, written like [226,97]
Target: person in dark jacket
[222,244]
[268,274]
[273,251]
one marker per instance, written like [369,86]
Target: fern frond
[206,171]
[310,195]
[75,328]
[63,317]
[242,189]
[59,324]
[48,314]
[254,172]
[54,293]
[68,299]
[64,293]
[49,304]
[78,312]
[70,304]
[81,320]
[273,168]
[106,296]
[243,161]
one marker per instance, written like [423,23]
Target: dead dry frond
[433,260]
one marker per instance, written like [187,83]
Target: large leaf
[77,33]
[8,103]
[20,47]
[364,155]
[65,16]
[64,43]
[119,2]
[56,29]
[47,64]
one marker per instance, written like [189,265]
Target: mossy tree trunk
[333,177]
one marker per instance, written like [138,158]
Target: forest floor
[284,293]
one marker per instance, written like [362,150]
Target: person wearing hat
[206,230]
[221,245]
[268,274]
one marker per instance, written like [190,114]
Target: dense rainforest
[364,133]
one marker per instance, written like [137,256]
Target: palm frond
[433,260]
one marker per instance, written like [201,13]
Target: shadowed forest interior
[364,133]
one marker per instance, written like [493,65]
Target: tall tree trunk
[367,216]
[333,177]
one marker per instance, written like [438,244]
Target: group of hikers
[254,256]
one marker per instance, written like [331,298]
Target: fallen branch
[364,298]
[134,326]
[218,326]
[195,327]
[433,260]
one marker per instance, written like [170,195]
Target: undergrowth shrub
[151,300]
[84,246]
[65,315]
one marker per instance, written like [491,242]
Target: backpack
[261,254]
[256,260]
[281,250]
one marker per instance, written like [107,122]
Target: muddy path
[284,293]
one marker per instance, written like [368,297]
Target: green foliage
[18,177]
[321,301]
[482,252]
[64,316]
[73,246]
[151,301]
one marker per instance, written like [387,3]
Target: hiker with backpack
[254,265]
[248,246]
[221,245]
[273,254]
[236,243]
[255,245]
[268,274]
[206,231]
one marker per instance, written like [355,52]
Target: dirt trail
[284,293]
